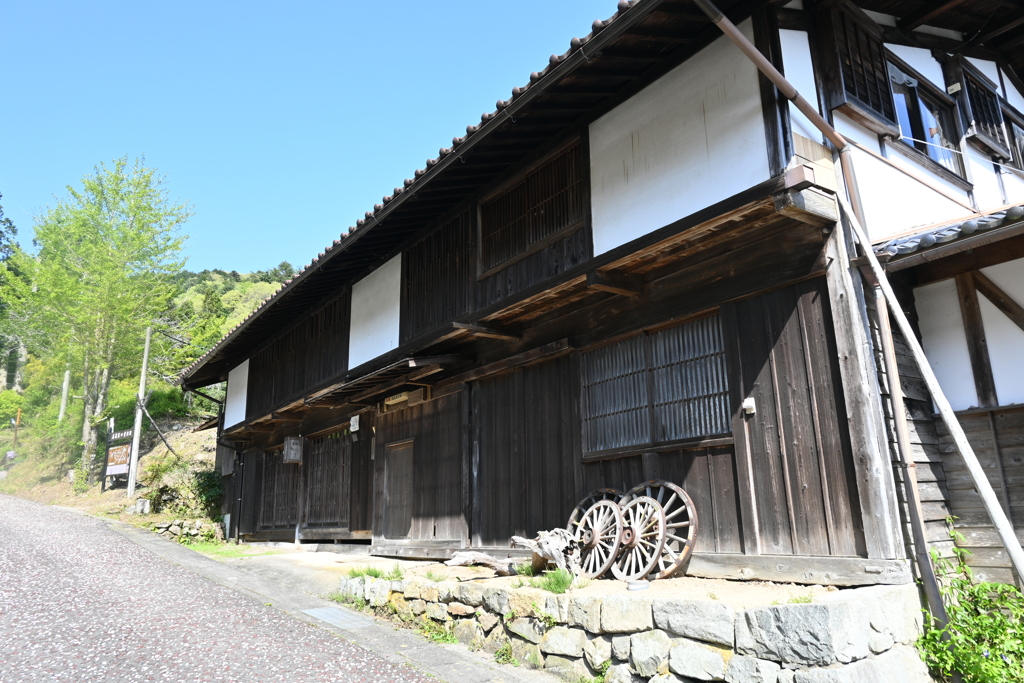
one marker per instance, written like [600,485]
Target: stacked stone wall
[862,635]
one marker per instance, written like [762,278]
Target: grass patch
[348,599]
[524,569]
[555,581]
[434,576]
[396,573]
[435,632]
[800,600]
[356,572]
[503,655]
[228,550]
[602,673]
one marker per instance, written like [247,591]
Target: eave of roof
[582,52]
[937,235]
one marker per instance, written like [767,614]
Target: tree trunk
[19,369]
[5,356]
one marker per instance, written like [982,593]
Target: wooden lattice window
[540,208]
[863,67]
[657,388]
[984,114]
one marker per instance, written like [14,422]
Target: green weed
[549,621]
[555,581]
[396,573]
[503,655]
[800,600]
[524,569]
[435,632]
[356,572]
[984,638]
[434,576]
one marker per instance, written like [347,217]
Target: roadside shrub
[984,639]
[10,401]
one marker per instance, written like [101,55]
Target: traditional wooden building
[635,268]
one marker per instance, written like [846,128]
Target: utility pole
[64,395]
[137,430]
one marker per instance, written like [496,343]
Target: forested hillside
[105,263]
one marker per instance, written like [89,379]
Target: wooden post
[64,395]
[875,485]
[977,345]
[981,482]
[914,511]
[137,430]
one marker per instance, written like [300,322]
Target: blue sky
[281,122]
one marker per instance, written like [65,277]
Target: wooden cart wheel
[643,537]
[599,535]
[680,527]
[614,495]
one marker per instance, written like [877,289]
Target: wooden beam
[396,383]
[1000,299]
[862,396]
[259,428]
[808,206]
[929,12]
[977,345]
[614,283]
[546,352]
[486,331]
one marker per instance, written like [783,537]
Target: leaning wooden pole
[988,495]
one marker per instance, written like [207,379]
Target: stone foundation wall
[860,635]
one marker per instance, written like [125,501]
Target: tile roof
[962,228]
[410,184]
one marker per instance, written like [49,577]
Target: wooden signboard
[119,450]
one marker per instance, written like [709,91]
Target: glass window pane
[935,118]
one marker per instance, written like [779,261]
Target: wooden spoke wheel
[680,526]
[599,535]
[643,537]
[614,495]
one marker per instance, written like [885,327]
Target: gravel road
[79,602]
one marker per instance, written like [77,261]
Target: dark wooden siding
[279,499]
[538,267]
[796,446]
[709,475]
[424,483]
[327,470]
[308,354]
[252,488]
[526,451]
[361,507]
[438,276]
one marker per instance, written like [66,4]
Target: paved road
[80,602]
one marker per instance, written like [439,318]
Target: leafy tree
[7,234]
[108,254]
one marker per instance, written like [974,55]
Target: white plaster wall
[983,175]
[945,342]
[921,60]
[1014,185]
[376,300]
[1013,96]
[903,161]
[796,59]
[894,203]
[1005,339]
[238,389]
[690,139]
[990,69]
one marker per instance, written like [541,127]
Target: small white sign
[353,423]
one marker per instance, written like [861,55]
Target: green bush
[10,402]
[984,638]
[556,581]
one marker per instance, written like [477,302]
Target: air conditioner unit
[292,449]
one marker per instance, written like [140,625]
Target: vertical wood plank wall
[803,491]
[432,485]
[327,470]
[527,439]
[437,285]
